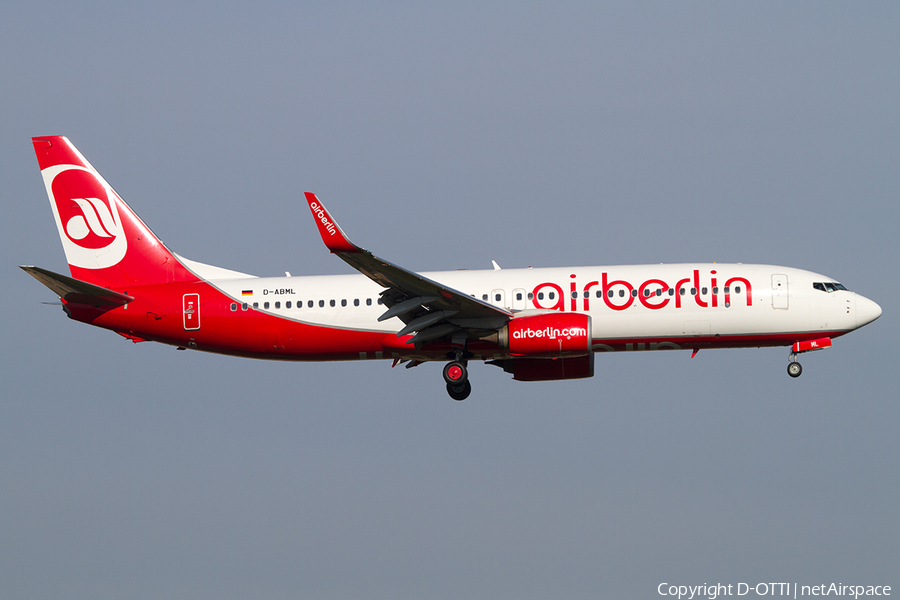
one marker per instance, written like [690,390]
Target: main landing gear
[794,368]
[457,377]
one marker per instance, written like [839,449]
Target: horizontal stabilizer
[74,290]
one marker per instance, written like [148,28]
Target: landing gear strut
[457,377]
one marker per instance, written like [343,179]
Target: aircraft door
[191,311]
[779,291]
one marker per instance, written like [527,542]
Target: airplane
[538,324]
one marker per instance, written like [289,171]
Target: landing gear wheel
[456,374]
[794,369]
[459,392]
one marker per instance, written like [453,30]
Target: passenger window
[693,291]
[716,290]
[574,294]
[531,295]
[233,306]
[646,293]
[703,291]
[265,305]
[551,295]
[496,297]
[309,304]
[634,293]
[518,295]
[343,302]
[331,302]
[540,295]
[737,289]
[671,291]
[484,297]
[287,304]
[727,290]
[278,305]
[244,306]
[255,305]
[600,294]
[321,304]
[368,302]
[621,293]
[681,292]
[379,301]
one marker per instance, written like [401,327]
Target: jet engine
[547,335]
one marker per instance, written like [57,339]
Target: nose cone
[866,311]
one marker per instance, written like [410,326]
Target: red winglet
[330,231]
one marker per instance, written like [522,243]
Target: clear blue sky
[442,137]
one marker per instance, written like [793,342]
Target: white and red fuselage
[652,308]
[125,280]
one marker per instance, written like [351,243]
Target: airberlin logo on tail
[87,216]
[95,218]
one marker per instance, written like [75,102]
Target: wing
[429,309]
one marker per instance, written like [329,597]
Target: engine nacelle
[547,335]
[548,369]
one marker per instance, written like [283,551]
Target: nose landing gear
[794,369]
[457,377]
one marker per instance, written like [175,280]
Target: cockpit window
[828,286]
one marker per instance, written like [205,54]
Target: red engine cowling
[547,335]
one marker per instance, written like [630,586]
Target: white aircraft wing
[430,309]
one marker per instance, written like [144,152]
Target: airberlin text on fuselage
[619,294]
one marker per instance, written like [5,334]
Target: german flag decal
[247,293]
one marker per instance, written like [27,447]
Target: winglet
[331,232]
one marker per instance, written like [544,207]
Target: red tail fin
[105,242]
